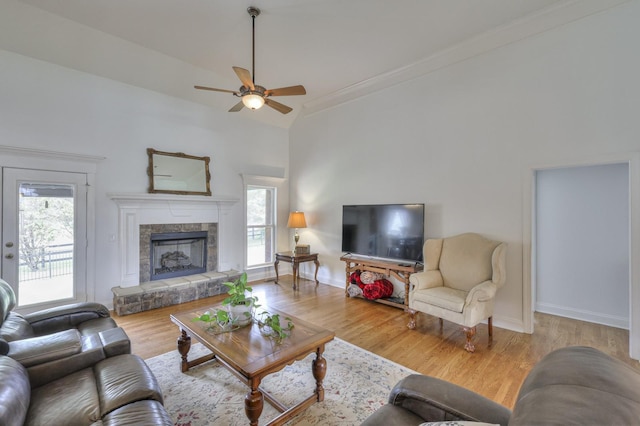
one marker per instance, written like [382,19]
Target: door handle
[9,256]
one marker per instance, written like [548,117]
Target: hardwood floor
[495,371]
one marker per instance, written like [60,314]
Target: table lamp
[296,220]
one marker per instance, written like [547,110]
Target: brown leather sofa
[571,386]
[72,366]
[55,342]
[120,390]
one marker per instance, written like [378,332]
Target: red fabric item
[378,290]
[355,279]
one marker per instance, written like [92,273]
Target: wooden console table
[295,260]
[400,270]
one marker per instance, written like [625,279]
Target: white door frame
[528,231]
[12,178]
[38,159]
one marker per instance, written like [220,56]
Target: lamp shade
[296,220]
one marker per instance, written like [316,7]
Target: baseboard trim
[583,315]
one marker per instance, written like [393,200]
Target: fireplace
[163,237]
[175,254]
[140,215]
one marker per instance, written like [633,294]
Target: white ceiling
[337,49]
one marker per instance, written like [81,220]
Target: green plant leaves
[239,292]
[270,326]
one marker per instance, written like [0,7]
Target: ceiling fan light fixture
[254,96]
[253,101]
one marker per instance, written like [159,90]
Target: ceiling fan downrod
[253,12]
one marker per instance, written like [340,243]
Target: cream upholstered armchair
[460,279]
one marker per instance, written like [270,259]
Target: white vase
[241,315]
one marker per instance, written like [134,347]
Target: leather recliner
[576,385]
[120,390]
[55,342]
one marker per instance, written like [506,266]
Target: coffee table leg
[184,344]
[254,402]
[319,369]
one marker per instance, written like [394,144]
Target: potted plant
[271,327]
[240,301]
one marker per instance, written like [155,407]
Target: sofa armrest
[92,352]
[483,292]
[436,400]
[425,279]
[62,317]
[15,392]
[40,350]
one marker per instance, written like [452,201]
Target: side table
[295,260]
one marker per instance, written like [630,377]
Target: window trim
[264,182]
[273,226]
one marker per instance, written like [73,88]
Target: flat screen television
[387,231]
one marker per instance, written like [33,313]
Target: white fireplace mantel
[150,209]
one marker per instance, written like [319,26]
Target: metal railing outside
[52,261]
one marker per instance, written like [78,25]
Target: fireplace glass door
[178,254]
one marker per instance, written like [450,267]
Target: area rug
[357,383]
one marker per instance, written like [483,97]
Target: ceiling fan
[254,96]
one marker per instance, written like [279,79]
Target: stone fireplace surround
[134,295]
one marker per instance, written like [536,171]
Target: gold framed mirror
[178,173]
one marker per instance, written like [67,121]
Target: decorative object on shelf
[355,265]
[271,327]
[240,303]
[368,277]
[370,285]
[303,249]
[296,220]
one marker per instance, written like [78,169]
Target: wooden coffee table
[251,356]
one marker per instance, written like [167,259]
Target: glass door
[44,236]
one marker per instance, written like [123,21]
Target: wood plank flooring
[495,371]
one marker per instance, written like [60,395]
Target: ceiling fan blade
[245,77]
[217,90]
[286,91]
[237,107]
[278,106]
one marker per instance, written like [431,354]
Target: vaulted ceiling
[337,49]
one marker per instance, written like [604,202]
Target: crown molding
[544,20]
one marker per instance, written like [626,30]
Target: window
[261,213]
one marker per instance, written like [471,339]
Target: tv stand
[400,270]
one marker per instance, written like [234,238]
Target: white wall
[582,243]
[48,107]
[461,138]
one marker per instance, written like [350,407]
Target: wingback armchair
[460,279]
